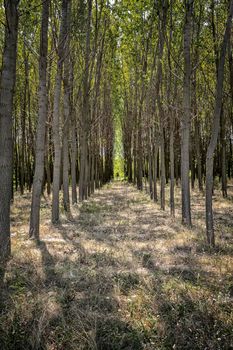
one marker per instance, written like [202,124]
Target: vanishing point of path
[121,275]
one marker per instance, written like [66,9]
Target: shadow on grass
[88,306]
[89,300]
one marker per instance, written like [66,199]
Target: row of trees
[163,67]
[178,102]
[56,112]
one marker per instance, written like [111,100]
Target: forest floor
[121,275]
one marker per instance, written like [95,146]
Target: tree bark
[172,173]
[56,116]
[7,84]
[223,153]
[41,126]
[155,192]
[215,131]
[186,117]
[85,113]
[67,114]
[74,149]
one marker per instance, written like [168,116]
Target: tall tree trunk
[198,152]
[172,176]
[139,157]
[85,112]
[23,124]
[186,117]
[56,116]
[41,126]
[67,112]
[197,120]
[215,131]
[150,171]
[162,30]
[155,193]
[74,149]
[162,166]
[223,153]
[7,84]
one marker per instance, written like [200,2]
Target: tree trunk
[172,176]
[155,193]
[67,112]
[85,113]
[223,153]
[162,166]
[7,84]
[186,118]
[56,116]
[74,149]
[215,131]
[198,152]
[41,126]
[150,171]
[162,31]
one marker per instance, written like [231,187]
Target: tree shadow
[94,301]
[89,306]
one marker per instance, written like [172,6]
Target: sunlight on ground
[122,275]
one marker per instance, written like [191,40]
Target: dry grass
[122,275]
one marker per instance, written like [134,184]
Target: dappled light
[121,274]
[116,175]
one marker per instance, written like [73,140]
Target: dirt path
[122,275]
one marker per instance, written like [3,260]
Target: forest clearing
[116,175]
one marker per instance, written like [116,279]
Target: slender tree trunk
[192,165]
[73,159]
[74,149]
[41,126]
[162,166]
[155,193]
[48,135]
[56,116]
[215,131]
[162,30]
[172,172]
[139,159]
[186,118]
[223,153]
[85,113]
[150,171]
[67,112]
[7,84]
[197,120]
[23,124]
[198,153]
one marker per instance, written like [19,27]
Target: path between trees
[122,275]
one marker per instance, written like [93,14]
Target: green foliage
[118,168]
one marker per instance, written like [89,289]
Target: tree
[85,118]
[186,117]
[56,114]
[41,125]
[7,84]
[215,130]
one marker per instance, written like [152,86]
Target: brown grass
[122,275]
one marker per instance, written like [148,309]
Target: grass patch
[123,275]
